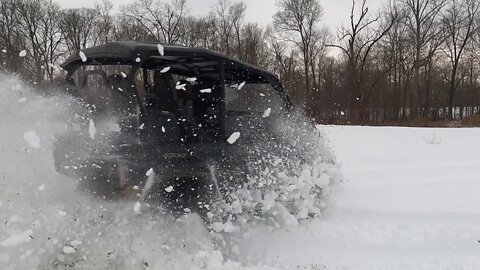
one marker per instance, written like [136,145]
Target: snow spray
[45,223]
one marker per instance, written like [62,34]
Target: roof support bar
[222,107]
[131,79]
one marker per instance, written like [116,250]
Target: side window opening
[109,92]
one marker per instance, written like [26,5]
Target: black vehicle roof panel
[184,60]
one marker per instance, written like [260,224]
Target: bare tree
[396,47]
[358,41]
[164,22]
[29,18]
[253,45]
[237,12]
[39,27]
[105,22]
[297,22]
[77,26]
[286,65]
[460,23]
[127,28]
[228,17]
[318,53]
[422,25]
[52,38]
[201,32]
[10,37]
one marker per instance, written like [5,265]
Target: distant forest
[415,59]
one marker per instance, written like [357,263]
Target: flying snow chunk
[137,207]
[262,94]
[16,239]
[32,139]
[141,126]
[283,217]
[163,129]
[82,56]
[267,113]
[240,86]
[193,79]
[323,180]
[228,227]
[233,138]
[206,90]
[69,250]
[342,113]
[138,59]
[269,200]
[41,188]
[180,86]
[22,53]
[123,75]
[4,51]
[149,172]
[169,189]
[161,50]
[21,100]
[217,227]
[91,129]
[165,69]
[75,243]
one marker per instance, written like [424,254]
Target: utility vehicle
[165,122]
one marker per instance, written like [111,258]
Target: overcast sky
[335,11]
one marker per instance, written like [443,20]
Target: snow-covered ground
[409,200]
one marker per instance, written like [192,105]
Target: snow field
[406,203]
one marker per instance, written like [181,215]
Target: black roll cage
[182,60]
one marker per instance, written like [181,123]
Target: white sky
[261,11]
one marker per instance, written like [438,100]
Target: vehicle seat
[91,88]
[161,123]
[124,103]
[163,96]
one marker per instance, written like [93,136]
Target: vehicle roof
[182,60]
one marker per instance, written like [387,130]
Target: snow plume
[46,223]
[289,180]
[57,226]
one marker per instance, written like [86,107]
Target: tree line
[413,59]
